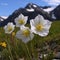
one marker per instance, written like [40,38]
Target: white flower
[9,28]
[40,26]
[24,34]
[21,20]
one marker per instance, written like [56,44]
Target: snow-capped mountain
[2,18]
[32,10]
[49,9]
[5,17]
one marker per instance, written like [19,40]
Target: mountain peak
[31,5]
[32,10]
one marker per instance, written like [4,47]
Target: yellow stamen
[39,27]
[21,21]
[9,28]
[26,33]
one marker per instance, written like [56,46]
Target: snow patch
[49,9]
[30,10]
[53,16]
[4,17]
[34,6]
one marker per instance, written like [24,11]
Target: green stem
[32,50]
[10,53]
[13,44]
[9,49]
[28,52]
[33,54]
[12,40]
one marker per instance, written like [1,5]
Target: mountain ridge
[31,10]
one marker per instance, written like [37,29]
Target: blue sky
[8,6]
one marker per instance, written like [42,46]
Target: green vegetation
[17,49]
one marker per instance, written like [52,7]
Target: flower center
[39,27]
[26,33]
[9,28]
[21,21]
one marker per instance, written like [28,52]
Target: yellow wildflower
[3,44]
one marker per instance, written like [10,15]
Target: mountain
[49,9]
[5,17]
[56,12]
[31,10]
[45,7]
[2,18]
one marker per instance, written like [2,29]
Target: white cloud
[4,4]
[52,2]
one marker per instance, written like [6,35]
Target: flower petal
[47,24]
[21,16]
[9,28]
[44,33]
[25,18]
[42,24]
[25,40]
[31,36]
[32,23]
[21,20]
[21,34]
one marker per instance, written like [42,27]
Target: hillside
[53,40]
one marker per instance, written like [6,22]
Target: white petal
[32,29]
[11,24]
[32,23]
[16,20]
[7,26]
[41,33]
[19,34]
[47,25]
[41,18]
[25,40]
[32,26]
[47,22]
[23,28]
[8,32]
[31,36]
[21,16]
[25,19]
[36,20]
[44,33]
[17,25]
